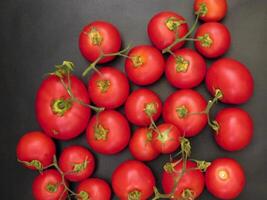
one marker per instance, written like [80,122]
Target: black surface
[35,35]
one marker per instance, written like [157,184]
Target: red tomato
[232,78]
[213,39]
[141,105]
[225,178]
[48,186]
[94,188]
[145,65]
[187,70]
[133,180]
[192,180]
[111,84]
[141,145]
[108,133]
[77,162]
[215,9]
[235,129]
[162,29]
[36,149]
[177,109]
[97,37]
[58,117]
[167,139]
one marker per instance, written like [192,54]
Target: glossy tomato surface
[97,37]
[109,89]
[225,178]
[57,118]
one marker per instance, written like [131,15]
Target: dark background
[35,35]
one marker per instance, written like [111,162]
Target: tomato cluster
[64,111]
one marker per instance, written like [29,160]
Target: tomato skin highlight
[216,9]
[110,41]
[193,180]
[138,102]
[219,36]
[36,145]
[148,68]
[159,33]
[73,122]
[187,73]
[112,84]
[192,102]
[96,188]
[42,182]
[110,134]
[225,178]
[76,155]
[141,146]
[131,176]
[232,78]
[235,129]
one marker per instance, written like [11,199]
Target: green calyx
[103,85]
[95,37]
[187,194]
[100,132]
[185,146]
[80,166]
[149,135]
[60,106]
[203,9]
[51,187]
[202,165]
[205,40]
[150,109]
[137,61]
[34,163]
[181,64]
[163,136]
[182,111]
[218,94]
[134,195]
[63,69]
[83,195]
[173,23]
[168,167]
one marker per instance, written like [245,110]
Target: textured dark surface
[35,35]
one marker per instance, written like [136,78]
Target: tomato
[141,146]
[97,37]
[108,133]
[77,162]
[235,129]
[145,65]
[213,39]
[58,117]
[232,78]
[216,9]
[162,29]
[48,186]
[141,105]
[167,138]
[186,70]
[133,180]
[192,181]
[177,109]
[94,188]
[225,178]
[37,149]
[111,84]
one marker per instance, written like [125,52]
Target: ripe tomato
[37,149]
[77,162]
[177,109]
[97,37]
[111,84]
[58,117]
[192,181]
[141,105]
[186,70]
[215,9]
[94,188]
[167,139]
[141,145]
[145,65]
[213,39]
[225,178]
[162,29]
[232,78]
[133,180]
[235,129]
[108,133]
[48,186]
